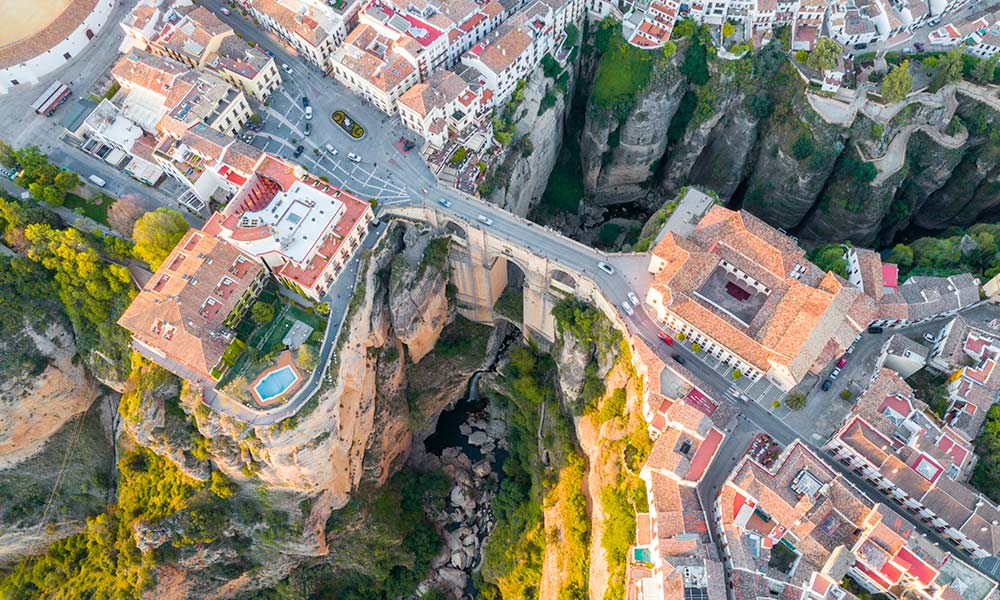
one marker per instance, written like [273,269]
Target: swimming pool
[275,383]
[641,554]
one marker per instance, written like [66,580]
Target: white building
[313,27]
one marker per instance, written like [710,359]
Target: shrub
[846,394]
[459,155]
[696,347]
[803,146]
[775,404]
[736,374]
[681,336]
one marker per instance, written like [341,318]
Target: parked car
[841,362]
[834,373]
[307,129]
[826,385]
[331,150]
[309,113]
[860,46]
[677,357]
[919,47]
[267,52]
[874,329]
[354,157]
[305,102]
[930,337]
[628,309]
[444,202]
[666,338]
[907,51]
[286,68]
[633,299]
[606,268]
[298,151]
[485,220]
[934,21]
[99,182]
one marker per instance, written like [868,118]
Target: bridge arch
[563,280]
[453,228]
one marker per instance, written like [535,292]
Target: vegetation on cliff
[543,469]
[971,250]
[69,268]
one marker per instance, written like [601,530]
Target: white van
[94,179]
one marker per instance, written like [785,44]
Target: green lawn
[96,209]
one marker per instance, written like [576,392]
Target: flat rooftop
[726,291]
[299,219]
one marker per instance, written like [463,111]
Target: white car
[286,68]
[606,268]
[445,202]
[834,373]
[930,337]
[485,220]
[628,309]
[354,157]
[331,150]
[309,113]
[226,11]
[632,298]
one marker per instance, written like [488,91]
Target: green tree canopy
[901,255]
[984,70]
[830,257]
[948,69]
[824,54]
[262,312]
[898,83]
[156,233]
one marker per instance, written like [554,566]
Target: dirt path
[588,436]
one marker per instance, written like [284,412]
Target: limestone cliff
[821,169]
[542,126]
[56,454]
[620,153]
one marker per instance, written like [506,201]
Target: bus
[51,98]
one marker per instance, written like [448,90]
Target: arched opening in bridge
[563,281]
[510,303]
[456,230]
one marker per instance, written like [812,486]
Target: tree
[156,233]
[984,70]
[901,255]
[795,401]
[802,147]
[7,157]
[126,211]
[824,54]
[949,69]
[728,29]
[67,181]
[262,312]
[221,486]
[830,257]
[898,83]
[306,358]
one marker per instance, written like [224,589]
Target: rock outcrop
[543,127]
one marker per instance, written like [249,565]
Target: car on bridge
[485,220]
[678,358]
[628,309]
[445,202]
[633,299]
[606,268]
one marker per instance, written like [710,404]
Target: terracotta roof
[182,310]
[440,89]
[371,57]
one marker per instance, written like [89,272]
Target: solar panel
[691,593]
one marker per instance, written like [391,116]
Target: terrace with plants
[262,339]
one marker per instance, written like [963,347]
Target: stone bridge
[484,264]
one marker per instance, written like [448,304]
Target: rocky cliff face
[619,155]
[543,127]
[56,453]
[823,171]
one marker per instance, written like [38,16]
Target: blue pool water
[275,383]
[642,555]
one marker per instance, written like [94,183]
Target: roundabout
[349,125]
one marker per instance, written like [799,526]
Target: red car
[666,338]
[841,362]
